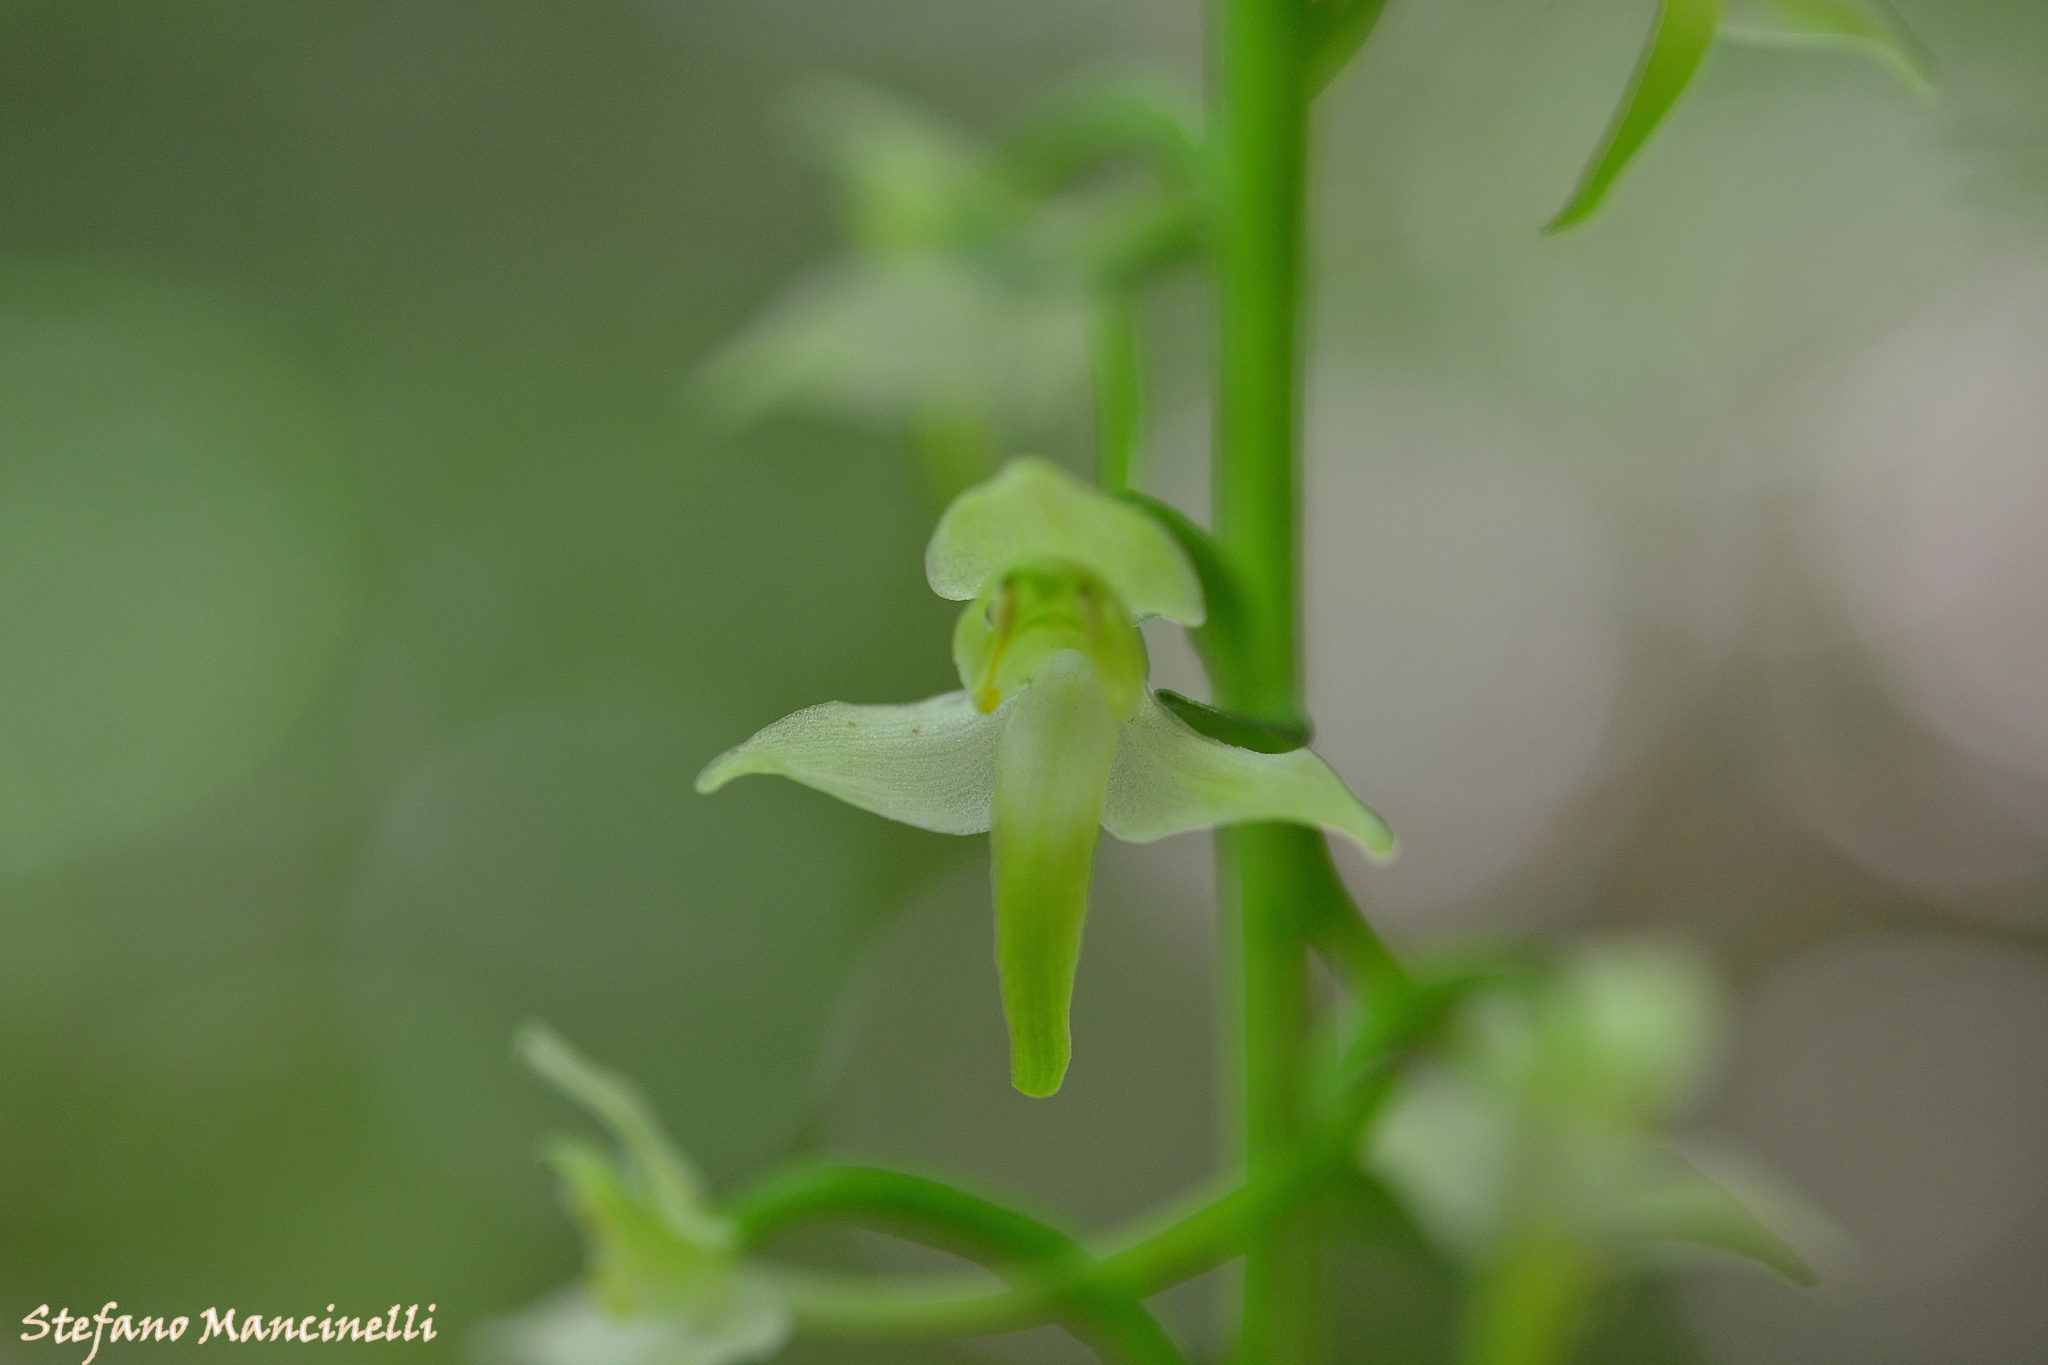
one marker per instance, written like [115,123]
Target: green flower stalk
[1054,734]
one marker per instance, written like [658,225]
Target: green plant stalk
[1159,1252]
[1119,389]
[1530,1303]
[1260,123]
[1019,1247]
[842,1305]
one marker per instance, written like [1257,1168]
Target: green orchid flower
[1537,1147]
[665,1285]
[1054,734]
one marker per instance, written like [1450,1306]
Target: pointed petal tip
[533,1043]
[719,771]
[1374,835]
[1568,217]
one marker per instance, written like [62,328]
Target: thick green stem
[1283,1263]
[1261,126]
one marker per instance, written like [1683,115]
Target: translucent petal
[1035,514]
[1869,26]
[572,1329]
[1447,1148]
[1168,779]
[1052,767]
[667,1180]
[1629,1032]
[1689,1207]
[910,179]
[637,1261]
[896,340]
[931,763]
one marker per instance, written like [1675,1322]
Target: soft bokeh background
[370,593]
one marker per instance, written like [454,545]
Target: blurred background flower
[375,576]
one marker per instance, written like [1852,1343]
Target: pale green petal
[571,1329]
[910,179]
[1629,1032]
[931,763]
[638,1263]
[898,341]
[1447,1147]
[1168,779]
[1689,1207]
[1052,766]
[1871,27]
[1033,515]
[665,1177]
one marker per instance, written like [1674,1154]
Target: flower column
[1260,124]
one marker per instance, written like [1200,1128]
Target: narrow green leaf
[1220,640]
[1871,27]
[1230,728]
[1678,44]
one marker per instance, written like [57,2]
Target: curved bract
[1871,27]
[1683,33]
[1679,40]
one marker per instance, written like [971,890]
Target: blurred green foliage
[370,589]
